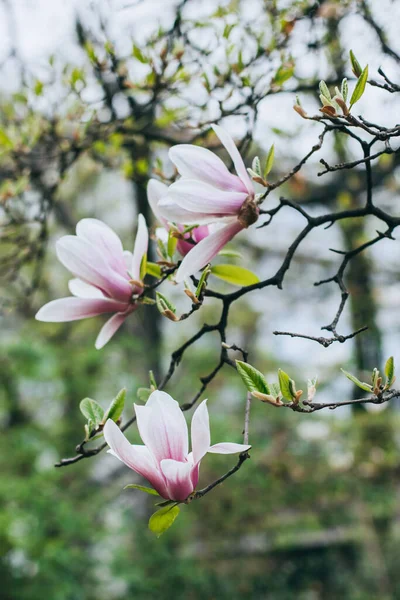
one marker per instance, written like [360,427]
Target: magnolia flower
[107,277]
[156,191]
[207,192]
[165,460]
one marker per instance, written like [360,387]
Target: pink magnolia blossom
[156,191]
[107,277]
[207,193]
[165,460]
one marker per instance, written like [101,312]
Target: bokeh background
[92,94]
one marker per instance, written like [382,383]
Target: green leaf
[5,140]
[143,267]
[230,253]
[154,270]
[162,520]
[240,60]
[275,389]
[38,87]
[141,488]
[152,380]
[253,379]
[360,87]
[252,173]
[189,228]
[202,281]
[171,246]
[270,161]
[227,29]
[143,394]
[234,275]
[206,82]
[389,371]
[163,303]
[374,378]
[364,386]
[162,249]
[90,51]
[284,73]
[116,407]
[286,385]
[92,410]
[77,75]
[324,101]
[90,425]
[344,90]
[355,65]
[323,88]
[256,166]
[138,54]
[165,503]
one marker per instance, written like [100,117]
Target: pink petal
[155,192]
[195,470]
[105,240]
[200,197]
[205,250]
[195,475]
[110,327]
[178,478]
[137,458]
[194,162]
[200,233]
[200,431]
[162,427]
[197,235]
[81,289]
[86,262]
[233,152]
[184,247]
[140,249]
[73,309]
[228,448]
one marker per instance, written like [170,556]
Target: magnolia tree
[188,219]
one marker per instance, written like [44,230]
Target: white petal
[174,213]
[233,152]
[162,427]
[137,458]
[128,260]
[140,249]
[200,432]
[206,250]
[105,240]
[87,263]
[81,289]
[109,328]
[228,448]
[200,197]
[73,309]
[155,192]
[194,162]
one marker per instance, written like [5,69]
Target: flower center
[248,213]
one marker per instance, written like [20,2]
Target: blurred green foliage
[315,509]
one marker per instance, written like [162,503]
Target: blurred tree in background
[314,513]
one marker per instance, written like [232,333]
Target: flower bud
[190,294]
[300,110]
